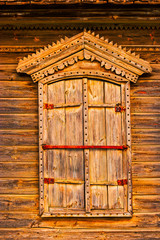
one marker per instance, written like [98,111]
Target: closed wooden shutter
[85,181]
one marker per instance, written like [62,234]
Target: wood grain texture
[22,211]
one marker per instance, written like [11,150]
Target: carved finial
[111,43]
[124,49]
[106,40]
[129,51]
[85,30]
[115,45]
[45,48]
[89,31]
[65,38]
[93,33]
[133,53]
[53,44]
[62,40]
[97,35]
[102,38]
[58,42]
[138,56]
[49,46]
[120,47]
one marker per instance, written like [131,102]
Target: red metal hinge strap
[45,147]
[49,180]
[122,182]
[48,106]
[119,108]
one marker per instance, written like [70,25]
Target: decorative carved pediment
[57,58]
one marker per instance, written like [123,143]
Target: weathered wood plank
[23,219]
[19,121]
[19,203]
[18,153]
[145,120]
[146,169]
[18,89]
[18,169]
[145,136]
[146,186]
[8,73]
[19,138]
[41,234]
[18,106]
[145,105]
[145,153]
[146,88]
[19,186]
[146,203]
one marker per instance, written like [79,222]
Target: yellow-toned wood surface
[19,196]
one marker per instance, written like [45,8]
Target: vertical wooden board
[113,127]
[73,91]
[75,167]
[75,164]
[56,93]
[114,158]
[75,196]
[95,92]
[74,131]
[56,127]
[57,195]
[115,197]
[74,136]
[96,128]
[98,165]
[97,136]
[99,197]
[57,164]
[112,93]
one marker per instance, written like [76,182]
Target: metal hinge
[122,182]
[119,108]
[48,106]
[49,180]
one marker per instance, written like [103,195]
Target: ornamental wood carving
[84,46]
[84,125]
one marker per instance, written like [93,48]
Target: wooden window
[84,160]
[84,125]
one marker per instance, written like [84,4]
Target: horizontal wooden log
[19,138]
[8,73]
[23,219]
[154,75]
[18,169]
[145,153]
[145,105]
[146,136]
[18,153]
[18,89]
[19,121]
[18,106]
[146,169]
[19,186]
[145,120]
[146,186]
[146,88]
[19,203]
[146,203]
[42,38]
[80,234]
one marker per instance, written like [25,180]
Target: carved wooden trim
[83,46]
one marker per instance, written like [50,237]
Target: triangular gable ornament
[116,63]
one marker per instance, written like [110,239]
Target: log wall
[19,210]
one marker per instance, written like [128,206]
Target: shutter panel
[85,180]
[65,128]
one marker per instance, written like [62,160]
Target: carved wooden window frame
[118,66]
